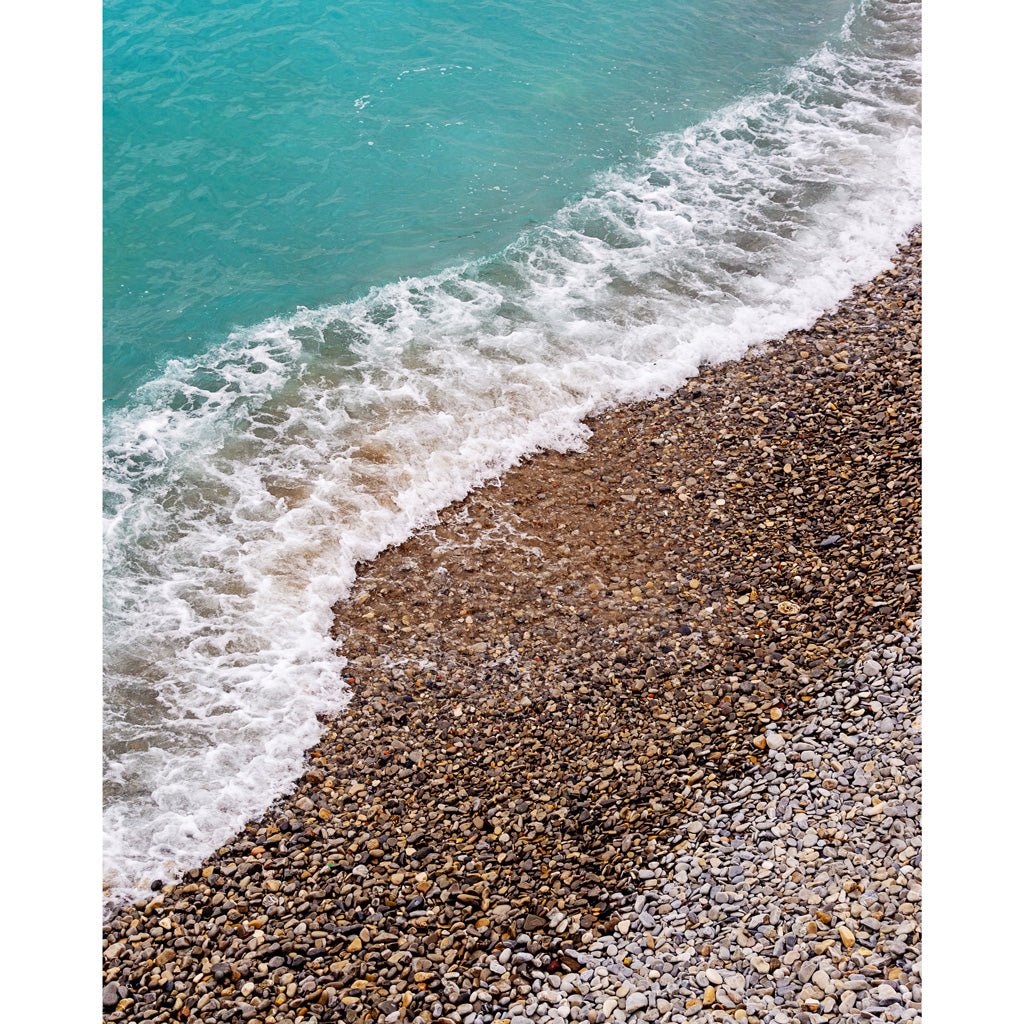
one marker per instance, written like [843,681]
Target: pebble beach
[634,735]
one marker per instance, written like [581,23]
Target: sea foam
[244,485]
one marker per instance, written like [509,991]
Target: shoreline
[555,685]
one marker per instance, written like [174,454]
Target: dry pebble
[841,935]
[635,733]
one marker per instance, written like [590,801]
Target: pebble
[110,995]
[636,1001]
[598,819]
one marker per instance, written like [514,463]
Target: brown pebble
[555,672]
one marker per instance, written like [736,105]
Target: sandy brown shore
[553,684]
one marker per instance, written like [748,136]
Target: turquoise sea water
[359,257]
[260,156]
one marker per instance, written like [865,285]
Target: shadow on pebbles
[634,733]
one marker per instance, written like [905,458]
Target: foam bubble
[244,485]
